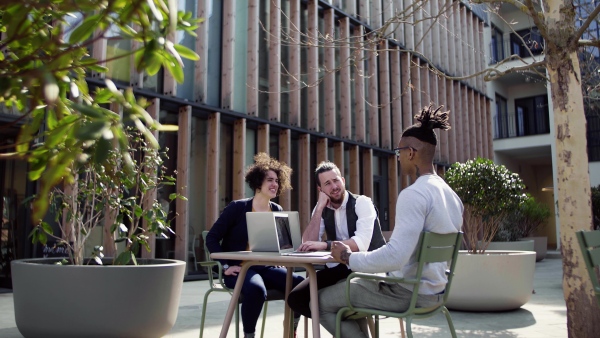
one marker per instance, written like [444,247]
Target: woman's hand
[312,246]
[233,270]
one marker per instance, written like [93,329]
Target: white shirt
[365,211]
[429,205]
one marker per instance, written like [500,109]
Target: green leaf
[89,111]
[47,228]
[124,258]
[186,52]
[85,30]
[103,147]
[173,67]
[92,130]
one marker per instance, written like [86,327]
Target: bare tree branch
[593,16]
[589,43]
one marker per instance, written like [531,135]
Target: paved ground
[543,316]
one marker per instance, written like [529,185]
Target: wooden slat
[252,76]
[388,11]
[409,30]
[392,189]
[472,124]
[375,16]
[136,79]
[213,168]
[285,146]
[458,38]
[467,134]
[338,155]
[227,47]
[464,45]
[427,29]
[471,47]
[405,76]
[367,166]
[484,126]
[169,83]
[344,114]
[418,28]
[201,66]
[359,87]
[354,170]
[322,147]
[312,56]
[441,100]
[239,158]
[435,34]
[415,80]
[398,28]
[263,138]
[479,48]
[396,96]
[423,88]
[373,108]
[304,175]
[294,63]
[479,125]
[184,140]
[275,61]
[448,44]
[364,11]
[329,77]
[384,95]
[490,136]
[452,157]
[150,196]
[459,132]
[99,53]
[433,95]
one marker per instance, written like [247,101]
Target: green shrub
[489,193]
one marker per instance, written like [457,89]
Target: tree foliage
[44,63]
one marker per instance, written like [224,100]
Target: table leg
[234,299]
[314,299]
[287,311]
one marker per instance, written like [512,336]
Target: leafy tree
[44,65]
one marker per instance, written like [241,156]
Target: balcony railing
[516,125]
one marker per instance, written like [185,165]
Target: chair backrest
[207,255]
[589,241]
[434,248]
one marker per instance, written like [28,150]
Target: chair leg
[305,327]
[408,327]
[203,313]
[450,323]
[402,328]
[237,321]
[262,330]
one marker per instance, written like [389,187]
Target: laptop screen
[284,235]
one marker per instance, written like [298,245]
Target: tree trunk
[573,181]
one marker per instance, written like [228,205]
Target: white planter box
[494,281]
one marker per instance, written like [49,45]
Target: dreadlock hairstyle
[428,120]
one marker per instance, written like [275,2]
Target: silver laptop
[276,232]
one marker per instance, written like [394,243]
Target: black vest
[328,216]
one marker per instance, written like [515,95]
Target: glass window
[213,80]
[532,115]
[117,52]
[501,118]
[186,89]
[497,45]
[527,42]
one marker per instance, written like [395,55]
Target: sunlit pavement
[543,316]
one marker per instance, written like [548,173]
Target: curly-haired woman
[268,178]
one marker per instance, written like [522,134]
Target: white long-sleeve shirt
[429,205]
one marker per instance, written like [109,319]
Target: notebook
[276,232]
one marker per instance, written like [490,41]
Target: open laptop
[276,232]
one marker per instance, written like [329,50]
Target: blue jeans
[254,290]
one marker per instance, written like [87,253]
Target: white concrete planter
[96,301]
[493,281]
[520,245]
[540,244]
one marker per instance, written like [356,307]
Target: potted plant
[147,290]
[488,280]
[529,218]
[71,138]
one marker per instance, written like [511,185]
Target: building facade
[305,81]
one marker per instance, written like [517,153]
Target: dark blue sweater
[230,231]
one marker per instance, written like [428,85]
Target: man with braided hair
[428,204]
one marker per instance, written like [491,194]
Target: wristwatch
[328,245]
[225,267]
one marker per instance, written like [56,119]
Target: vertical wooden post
[396,96]
[275,61]
[359,87]
[285,139]
[344,114]
[213,169]
[239,158]
[312,55]
[405,75]
[354,170]
[184,140]
[150,196]
[201,66]
[384,94]
[227,45]
[367,165]
[392,189]
[373,100]
[252,83]
[304,173]
[294,63]
[263,138]
[453,112]
[322,150]
[338,155]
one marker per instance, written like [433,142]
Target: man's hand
[341,252]
[312,246]
[323,200]
[233,270]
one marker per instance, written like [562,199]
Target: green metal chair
[432,248]
[589,241]
[218,285]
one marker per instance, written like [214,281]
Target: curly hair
[256,173]
[427,120]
